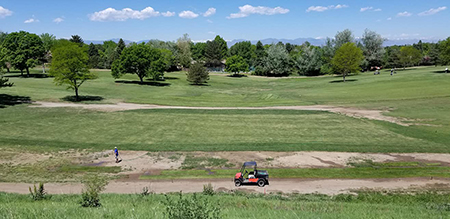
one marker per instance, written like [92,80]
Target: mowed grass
[420,94]
[366,88]
[312,173]
[201,130]
[237,205]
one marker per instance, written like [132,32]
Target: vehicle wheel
[237,183]
[261,183]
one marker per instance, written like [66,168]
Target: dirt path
[353,112]
[304,186]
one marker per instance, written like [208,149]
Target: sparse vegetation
[38,193]
[93,186]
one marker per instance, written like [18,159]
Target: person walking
[392,71]
[116,153]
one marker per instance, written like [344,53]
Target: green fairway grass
[420,95]
[237,205]
[202,130]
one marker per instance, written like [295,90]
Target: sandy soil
[303,186]
[136,163]
[353,112]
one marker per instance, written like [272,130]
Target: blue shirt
[116,151]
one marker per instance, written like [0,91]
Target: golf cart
[249,174]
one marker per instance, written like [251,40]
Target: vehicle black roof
[250,163]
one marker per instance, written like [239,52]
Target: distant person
[116,153]
[446,70]
[392,71]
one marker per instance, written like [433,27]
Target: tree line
[342,54]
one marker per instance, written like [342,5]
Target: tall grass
[238,205]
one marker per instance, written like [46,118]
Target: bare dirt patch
[352,112]
[304,186]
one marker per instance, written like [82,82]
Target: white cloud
[389,18]
[188,14]
[58,20]
[247,10]
[209,12]
[31,20]
[325,8]
[4,12]
[432,11]
[365,9]
[168,14]
[209,21]
[370,9]
[211,32]
[111,14]
[404,14]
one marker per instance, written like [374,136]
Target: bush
[146,192]
[259,70]
[197,74]
[93,185]
[38,193]
[190,207]
[208,189]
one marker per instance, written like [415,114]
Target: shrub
[93,185]
[146,192]
[190,207]
[259,70]
[38,193]
[208,189]
[197,74]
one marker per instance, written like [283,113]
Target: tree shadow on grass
[82,98]
[200,85]
[342,81]
[237,76]
[15,75]
[9,100]
[171,78]
[439,72]
[148,83]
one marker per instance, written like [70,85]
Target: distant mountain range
[298,41]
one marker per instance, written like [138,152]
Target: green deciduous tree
[23,50]
[347,59]
[136,59]
[70,67]
[343,37]
[198,51]
[184,55]
[277,61]
[309,61]
[244,50]
[409,56]
[236,64]
[391,57]
[373,50]
[445,51]
[48,40]
[197,74]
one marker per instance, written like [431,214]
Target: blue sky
[232,19]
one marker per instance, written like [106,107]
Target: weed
[190,207]
[93,185]
[208,190]
[38,194]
